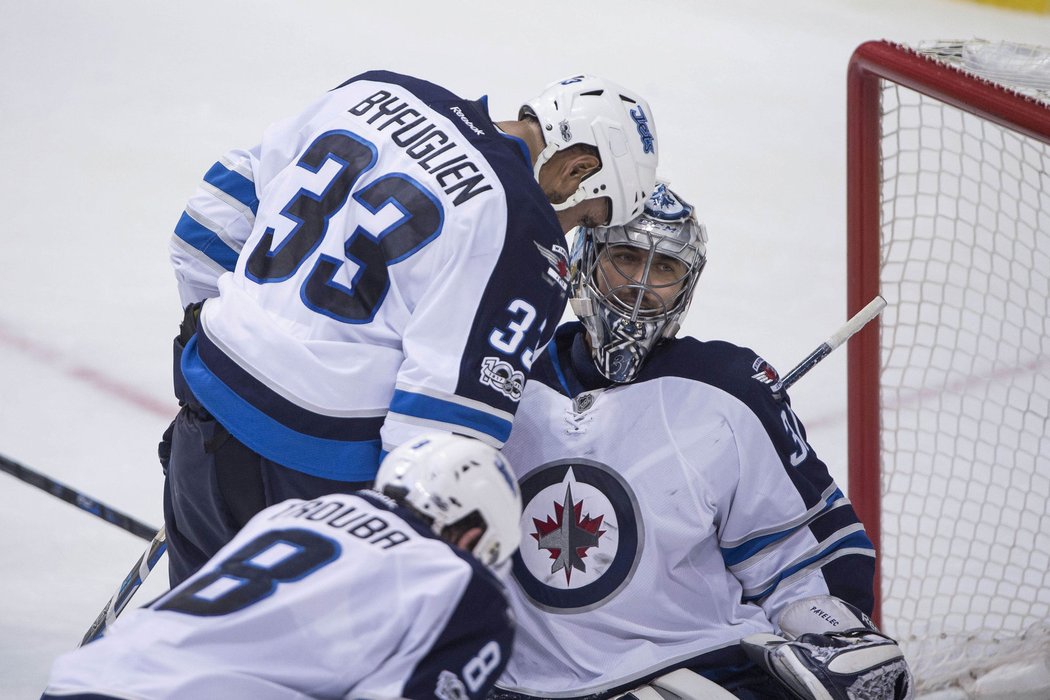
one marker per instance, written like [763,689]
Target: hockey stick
[80,500]
[128,587]
[859,320]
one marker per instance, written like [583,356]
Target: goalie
[681,538]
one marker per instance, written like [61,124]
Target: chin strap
[577,197]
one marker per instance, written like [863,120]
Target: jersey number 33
[372,252]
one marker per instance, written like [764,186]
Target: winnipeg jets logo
[664,205]
[558,258]
[765,373]
[581,535]
[642,123]
[568,535]
[662,197]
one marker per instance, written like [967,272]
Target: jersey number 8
[252,573]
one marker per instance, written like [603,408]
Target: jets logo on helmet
[585,109]
[665,205]
[648,140]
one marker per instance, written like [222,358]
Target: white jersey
[665,519]
[338,597]
[382,264]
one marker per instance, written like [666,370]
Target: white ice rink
[111,110]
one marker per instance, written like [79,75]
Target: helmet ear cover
[589,110]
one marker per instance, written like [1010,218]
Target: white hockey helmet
[625,313]
[452,481]
[588,110]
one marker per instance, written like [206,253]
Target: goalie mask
[633,284]
[454,483]
[599,113]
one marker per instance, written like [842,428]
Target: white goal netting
[965,374]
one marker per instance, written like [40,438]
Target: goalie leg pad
[681,684]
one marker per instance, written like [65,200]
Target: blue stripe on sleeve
[234,184]
[206,241]
[742,552]
[858,540]
[430,408]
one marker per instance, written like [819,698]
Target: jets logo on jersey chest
[581,535]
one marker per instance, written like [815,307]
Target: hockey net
[949,397]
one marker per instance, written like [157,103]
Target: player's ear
[562,174]
[469,538]
[583,164]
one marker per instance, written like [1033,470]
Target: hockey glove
[190,318]
[832,651]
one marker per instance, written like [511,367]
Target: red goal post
[949,219]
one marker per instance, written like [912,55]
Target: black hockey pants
[214,484]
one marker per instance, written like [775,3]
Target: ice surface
[112,110]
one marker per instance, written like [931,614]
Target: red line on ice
[82,373]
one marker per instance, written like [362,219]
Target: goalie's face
[641,282]
[632,284]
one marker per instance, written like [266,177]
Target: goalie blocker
[832,651]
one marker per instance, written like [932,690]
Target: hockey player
[673,505]
[371,595]
[388,261]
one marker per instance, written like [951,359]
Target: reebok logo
[463,118]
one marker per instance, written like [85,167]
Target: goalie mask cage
[949,396]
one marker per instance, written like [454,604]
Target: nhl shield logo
[581,535]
